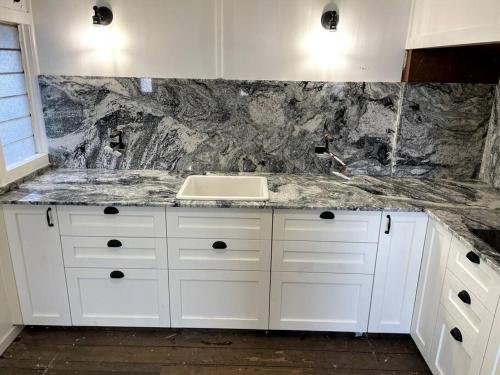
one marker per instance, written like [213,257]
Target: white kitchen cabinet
[401,243]
[219,299]
[453,22]
[218,223]
[457,349]
[433,269]
[321,225]
[35,246]
[476,274]
[491,363]
[110,297]
[336,257]
[220,254]
[122,252]
[320,301]
[112,221]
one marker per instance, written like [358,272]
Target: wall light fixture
[330,20]
[103,16]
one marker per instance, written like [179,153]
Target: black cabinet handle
[388,224]
[219,245]
[465,297]
[117,275]
[111,211]
[473,257]
[114,243]
[456,334]
[49,217]
[327,215]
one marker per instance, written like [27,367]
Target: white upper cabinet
[402,237]
[437,23]
[37,258]
[437,247]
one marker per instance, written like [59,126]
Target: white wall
[148,38]
[284,39]
[453,22]
[235,39]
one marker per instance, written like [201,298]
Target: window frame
[24,22]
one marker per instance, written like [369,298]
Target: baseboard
[9,337]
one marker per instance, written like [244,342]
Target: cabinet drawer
[459,300]
[138,299]
[219,254]
[123,252]
[338,257]
[479,278]
[450,356]
[112,221]
[220,299]
[219,223]
[320,301]
[340,226]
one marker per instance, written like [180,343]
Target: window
[21,143]
[16,130]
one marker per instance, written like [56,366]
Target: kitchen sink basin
[490,236]
[231,188]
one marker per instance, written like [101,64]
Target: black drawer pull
[389,223]
[465,297]
[473,257]
[327,215]
[114,243]
[111,211]
[219,245]
[456,334]
[50,223]
[117,275]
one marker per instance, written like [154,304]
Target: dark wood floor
[99,351]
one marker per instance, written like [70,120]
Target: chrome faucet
[116,140]
[325,150]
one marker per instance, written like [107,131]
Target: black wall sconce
[330,20]
[103,16]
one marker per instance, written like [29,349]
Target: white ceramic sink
[231,188]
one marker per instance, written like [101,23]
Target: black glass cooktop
[490,236]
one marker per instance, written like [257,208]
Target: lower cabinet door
[127,297]
[35,248]
[402,237]
[219,299]
[456,348]
[320,301]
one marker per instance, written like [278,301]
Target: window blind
[16,129]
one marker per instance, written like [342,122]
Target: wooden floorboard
[102,351]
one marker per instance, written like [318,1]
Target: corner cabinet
[400,248]
[37,259]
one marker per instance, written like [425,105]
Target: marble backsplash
[380,129]
[490,169]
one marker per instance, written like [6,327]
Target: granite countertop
[455,204]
